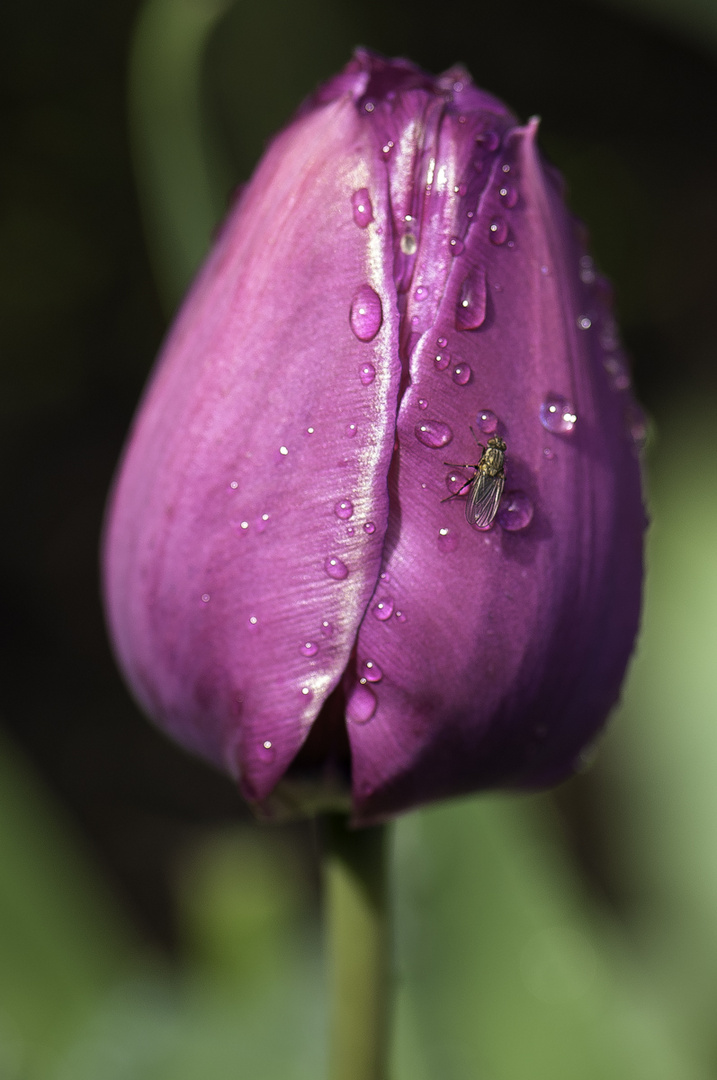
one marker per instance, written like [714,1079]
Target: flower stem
[358,949]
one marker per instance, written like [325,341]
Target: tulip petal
[239,558]
[511,643]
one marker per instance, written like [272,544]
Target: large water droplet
[487,421]
[441,361]
[383,609]
[362,209]
[441,342]
[516,511]
[558,415]
[462,374]
[309,648]
[266,752]
[369,527]
[344,509]
[470,309]
[367,373]
[370,671]
[498,231]
[361,705]
[433,433]
[366,313]
[335,568]
[447,540]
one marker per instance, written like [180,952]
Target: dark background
[628,113]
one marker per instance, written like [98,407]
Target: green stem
[358,950]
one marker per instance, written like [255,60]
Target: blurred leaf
[506,970]
[657,774]
[61,942]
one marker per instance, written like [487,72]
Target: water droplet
[470,309]
[587,270]
[253,622]
[326,628]
[498,231]
[548,453]
[544,270]
[462,374]
[367,373]
[636,423]
[456,245]
[558,415]
[369,527]
[441,360]
[422,403]
[366,313]
[516,511]
[441,342]
[335,568]
[508,195]
[385,576]
[306,693]
[584,322]
[244,525]
[370,671]
[421,293]
[433,433]
[487,421]
[234,485]
[350,530]
[344,509]
[283,450]
[362,208]
[309,648]
[408,244]
[266,752]
[505,168]
[455,482]
[447,540]
[260,523]
[369,106]
[205,597]
[400,616]
[383,609]
[309,431]
[388,146]
[361,705]
[350,430]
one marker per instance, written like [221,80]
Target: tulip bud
[284,566]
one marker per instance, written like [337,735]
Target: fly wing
[484,500]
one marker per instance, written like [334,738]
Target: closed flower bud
[293,586]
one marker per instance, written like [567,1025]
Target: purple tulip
[290,590]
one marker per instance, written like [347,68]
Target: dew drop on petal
[307,693]
[433,433]
[584,322]
[326,628]
[383,609]
[399,615]
[385,576]
[558,415]
[471,305]
[462,374]
[498,231]
[350,530]
[253,622]
[422,403]
[456,245]
[366,314]
[420,293]
[447,540]
[516,511]
[508,195]
[487,421]
[234,485]
[266,752]
[350,430]
[367,373]
[369,527]
[441,361]
[548,453]
[370,671]
[309,648]
[335,568]
[441,342]
[206,598]
[361,705]
[362,208]
[455,482]
[344,509]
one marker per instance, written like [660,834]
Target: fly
[485,487]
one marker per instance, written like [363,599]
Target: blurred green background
[148,930]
